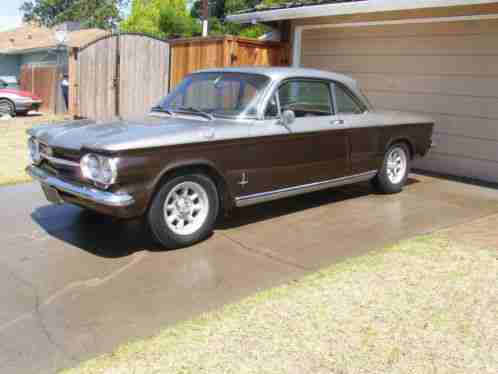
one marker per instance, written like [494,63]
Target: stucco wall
[9,65]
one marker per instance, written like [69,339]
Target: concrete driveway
[75,285]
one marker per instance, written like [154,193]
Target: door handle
[336,122]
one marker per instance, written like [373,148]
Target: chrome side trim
[87,193]
[298,190]
[59,161]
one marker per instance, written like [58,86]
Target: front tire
[184,210]
[395,169]
[7,107]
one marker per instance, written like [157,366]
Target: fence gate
[120,75]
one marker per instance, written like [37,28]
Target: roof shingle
[31,37]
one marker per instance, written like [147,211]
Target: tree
[103,14]
[162,18]
[174,23]
[219,9]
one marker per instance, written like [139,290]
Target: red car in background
[15,101]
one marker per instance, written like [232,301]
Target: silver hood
[146,132]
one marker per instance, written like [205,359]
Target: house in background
[437,57]
[35,55]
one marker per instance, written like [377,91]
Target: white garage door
[447,70]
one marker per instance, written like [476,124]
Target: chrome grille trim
[59,161]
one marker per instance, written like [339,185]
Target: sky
[10,16]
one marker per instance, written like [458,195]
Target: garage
[412,56]
[448,70]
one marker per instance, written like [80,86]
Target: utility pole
[205,16]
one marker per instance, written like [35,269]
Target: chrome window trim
[274,88]
[261,197]
[351,94]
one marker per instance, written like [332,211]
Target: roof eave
[339,9]
[27,50]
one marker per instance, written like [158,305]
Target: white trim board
[347,8]
[298,31]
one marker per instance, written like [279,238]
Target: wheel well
[10,101]
[407,143]
[208,170]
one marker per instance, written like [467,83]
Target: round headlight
[99,169]
[34,151]
[108,170]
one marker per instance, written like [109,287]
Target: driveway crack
[266,254]
[36,313]
[39,304]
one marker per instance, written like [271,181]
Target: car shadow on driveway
[100,235]
[290,205]
[109,237]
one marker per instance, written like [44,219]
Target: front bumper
[23,106]
[82,195]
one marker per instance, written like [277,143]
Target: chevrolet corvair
[227,138]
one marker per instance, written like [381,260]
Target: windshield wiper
[160,109]
[196,111]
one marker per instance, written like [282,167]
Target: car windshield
[8,82]
[225,94]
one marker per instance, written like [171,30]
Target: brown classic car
[227,138]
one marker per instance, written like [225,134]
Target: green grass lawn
[427,305]
[13,146]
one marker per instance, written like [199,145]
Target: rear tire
[395,169]
[184,210]
[7,107]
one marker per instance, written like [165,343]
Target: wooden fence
[42,81]
[120,75]
[189,55]
[123,75]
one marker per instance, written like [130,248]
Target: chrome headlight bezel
[34,151]
[99,169]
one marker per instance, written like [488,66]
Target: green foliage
[162,18]
[171,19]
[90,13]
[174,23]
[254,31]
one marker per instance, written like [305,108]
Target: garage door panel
[480,107]
[466,147]
[431,84]
[479,169]
[446,70]
[435,65]
[421,29]
[467,127]
[406,45]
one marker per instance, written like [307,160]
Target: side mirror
[288,118]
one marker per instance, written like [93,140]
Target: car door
[364,135]
[313,148]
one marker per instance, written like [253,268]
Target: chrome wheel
[6,108]
[186,208]
[397,161]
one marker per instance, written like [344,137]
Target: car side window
[306,98]
[345,102]
[272,107]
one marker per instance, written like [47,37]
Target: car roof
[280,73]
[8,79]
